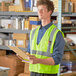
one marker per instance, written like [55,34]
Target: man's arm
[34,60]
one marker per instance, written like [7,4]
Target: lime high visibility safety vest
[43,50]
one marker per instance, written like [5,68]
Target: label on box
[20,42]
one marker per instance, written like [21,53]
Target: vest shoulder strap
[50,40]
[33,32]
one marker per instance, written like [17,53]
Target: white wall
[72,36]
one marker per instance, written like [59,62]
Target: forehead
[42,7]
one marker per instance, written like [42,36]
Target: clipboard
[21,53]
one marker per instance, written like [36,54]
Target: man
[46,43]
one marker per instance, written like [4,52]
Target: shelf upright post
[59,14]
[0,23]
[59,20]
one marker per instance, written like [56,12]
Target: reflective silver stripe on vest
[33,32]
[41,53]
[50,40]
[49,45]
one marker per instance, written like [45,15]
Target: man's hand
[33,59]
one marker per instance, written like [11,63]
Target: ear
[50,12]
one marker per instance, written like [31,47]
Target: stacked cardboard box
[23,74]
[74,7]
[67,6]
[73,0]
[35,22]
[68,55]
[2,52]
[27,25]
[26,70]
[4,6]
[17,8]
[21,40]
[14,63]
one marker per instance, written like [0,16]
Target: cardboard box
[74,7]
[24,74]
[20,36]
[27,25]
[4,6]
[2,52]
[66,18]
[11,8]
[21,40]
[22,5]
[69,56]
[26,68]
[18,8]
[73,0]
[14,63]
[34,19]
[34,26]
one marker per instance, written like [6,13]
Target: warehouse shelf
[7,48]
[4,47]
[23,14]
[69,50]
[69,14]
[68,27]
[69,31]
[72,47]
[14,31]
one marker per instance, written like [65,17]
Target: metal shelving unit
[59,14]
[5,14]
[69,31]
[68,27]
[69,14]
[68,49]
[23,14]
[4,47]
[14,31]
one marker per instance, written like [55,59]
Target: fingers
[27,53]
[31,57]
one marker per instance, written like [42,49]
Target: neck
[45,22]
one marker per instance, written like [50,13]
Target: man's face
[43,13]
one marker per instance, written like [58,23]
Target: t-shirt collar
[47,26]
